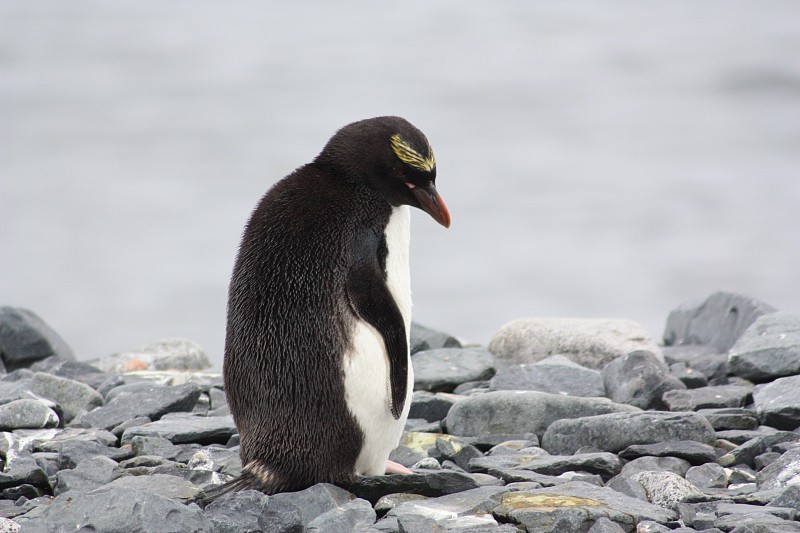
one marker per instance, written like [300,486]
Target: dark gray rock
[627,486]
[782,473]
[719,321]
[27,414]
[769,349]
[406,456]
[707,476]
[423,338]
[655,464]
[616,431]
[62,437]
[133,422]
[72,453]
[746,452]
[665,489]
[695,452]
[436,483]
[648,526]
[445,511]
[115,508]
[313,501]
[639,379]
[740,436]
[155,446]
[74,370]
[693,379]
[508,412]
[237,512]
[730,418]
[432,407]
[604,464]
[707,398]
[89,474]
[731,515]
[25,339]
[790,497]
[153,404]
[765,459]
[778,403]
[72,396]
[23,470]
[556,375]
[168,486]
[575,506]
[355,515]
[604,525]
[443,369]
[281,516]
[185,428]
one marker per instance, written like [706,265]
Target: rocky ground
[557,426]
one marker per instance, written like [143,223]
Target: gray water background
[599,159]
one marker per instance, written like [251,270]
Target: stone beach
[558,425]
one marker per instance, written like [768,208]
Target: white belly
[366,372]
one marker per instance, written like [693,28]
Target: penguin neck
[398,273]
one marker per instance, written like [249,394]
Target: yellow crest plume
[411,157]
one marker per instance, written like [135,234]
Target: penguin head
[391,156]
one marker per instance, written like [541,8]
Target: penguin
[317,369]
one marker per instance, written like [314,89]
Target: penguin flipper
[372,301]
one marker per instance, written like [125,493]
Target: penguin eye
[398,172]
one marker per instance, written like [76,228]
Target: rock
[616,431]
[575,506]
[423,339]
[707,476]
[640,379]
[556,375]
[693,379]
[72,396]
[508,412]
[695,452]
[154,404]
[114,508]
[281,516]
[155,446]
[354,515]
[606,465]
[443,369]
[172,487]
[27,414]
[707,398]
[665,489]
[74,370]
[72,453]
[778,403]
[25,339]
[432,407]
[443,510]
[655,464]
[313,501]
[604,525]
[768,349]
[237,511]
[782,473]
[170,354]
[23,470]
[89,474]
[590,343]
[730,418]
[56,440]
[788,498]
[627,486]
[435,483]
[718,322]
[186,428]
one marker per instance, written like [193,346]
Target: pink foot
[396,468]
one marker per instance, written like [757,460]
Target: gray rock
[768,349]
[27,414]
[707,476]
[430,406]
[693,379]
[153,404]
[778,403]
[25,339]
[604,525]
[756,523]
[59,438]
[616,431]
[115,508]
[765,459]
[665,489]
[718,322]
[556,375]
[790,497]
[186,428]
[730,418]
[443,511]
[390,501]
[508,412]
[639,378]
[313,501]
[782,473]
[627,486]
[170,354]
[133,422]
[588,342]
[423,339]
[155,446]
[746,452]
[435,483]
[89,474]
[352,516]
[695,452]
[606,465]
[707,398]
[72,396]
[172,487]
[281,516]
[443,369]
[74,370]
[23,469]
[16,389]
[655,464]
[575,506]
[72,453]
[237,512]
[648,526]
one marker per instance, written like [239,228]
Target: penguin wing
[372,302]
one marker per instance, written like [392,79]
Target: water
[599,159]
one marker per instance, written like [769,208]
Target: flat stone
[54,441]
[627,486]
[778,403]
[172,487]
[432,407]
[185,429]
[74,370]
[16,389]
[692,378]
[556,375]
[665,489]
[423,338]
[730,418]
[434,484]
[746,452]
[23,470]
[606,465]
[27,414]
[169,354]
[72,453]
[72,396]
[588,342]
[782,473]
[352,516]
[155,446]
[655,464]
[695,452]
[25,338]
[237,511]
[443,369]
[508,412]
[89,474]
[707,398]
[311,502]
[707,476]
[114,508]
[756,523]
[616,431]
[718,321]
[575,506]
[768,349]
[443,510]
[604,525]
[640,379]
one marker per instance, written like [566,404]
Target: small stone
[73,397]
[423,339]
[237,512]
[665,489]
[707,398]
[170,354]
[352,516]
[695,452]
[730,418]
[768,349]
[27,414]
[556,375]
[588,342]
[640,379]
[778,403]
[25,339]
[89,474]
[432,407]
[443,369]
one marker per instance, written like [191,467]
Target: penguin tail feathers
[244,482]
